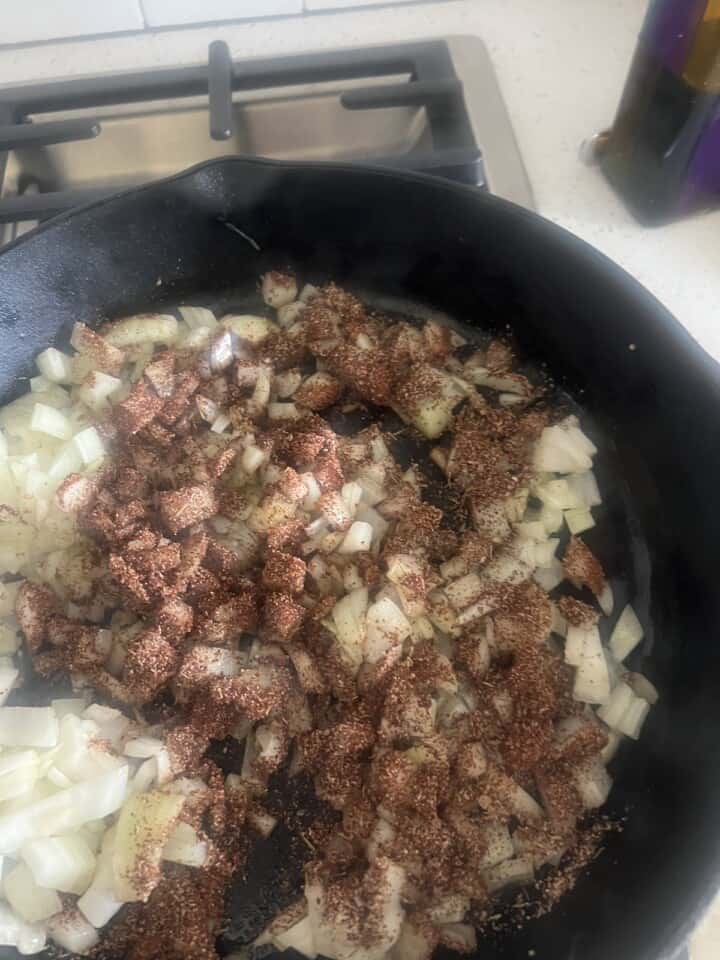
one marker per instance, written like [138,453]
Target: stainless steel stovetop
[433,105]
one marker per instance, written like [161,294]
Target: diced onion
[509,873]
[89,445]
[358,539]
[31,902]
[249,327]
[144,826]
[144,328]
[55,365]
[61,863]
[579,520]
[585,487]
[626,635]
[63,811]
[196,317]
[386,629]
[143,747]
[283,411]
[28,727]
[613,710]
[348,616]
[221,423]
[50,421]
[185,847]
[71,931]
[97,388]
[592,678]
[14,932]
[634,717]
[593,783]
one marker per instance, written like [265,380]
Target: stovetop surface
[432,105]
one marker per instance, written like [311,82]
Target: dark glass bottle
[663,152]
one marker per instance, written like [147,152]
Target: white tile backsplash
[169,13]
[314,5]
[35,20]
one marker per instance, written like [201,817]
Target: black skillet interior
[651,394]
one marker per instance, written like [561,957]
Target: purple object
[669,30]
[702,178]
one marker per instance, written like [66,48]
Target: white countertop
[561,66]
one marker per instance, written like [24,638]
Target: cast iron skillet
[422,245]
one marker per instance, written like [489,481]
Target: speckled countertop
[561,65]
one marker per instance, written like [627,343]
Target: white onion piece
[97,388]
[558,494]
[28,727]
[29,901]
[509,873]
[532,529]
[47,420]
[58,778]
[74,705]
[8,678]
[611,747]
[99,904]
[289,313]
[613,710]
[300,937]
[593,783]
[185,847]
[560,450]
[313,490]
[198,317]
[8,598]
[352,495]
[146,776]
[592,679]
[89,445]
[55,365]
[146,328]
[283,411]
[220,423]
[358,539]
[143,747]
[498,845]
[286,383]
[368,514]
[545,552]
[14,932]
[626,635]
[349,618]
[60,863]
[252,458]
[585,487]
[575,643]
[71,931]
[550,577]
[579,520]
[112,723]
[249,326]
[642,687]
[606,600]
[145,823]
[64,811]
[633,719]
[386,629]
[308,293]
[278,289]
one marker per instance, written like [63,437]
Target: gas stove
[431,106]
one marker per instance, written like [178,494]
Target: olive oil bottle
[662,154]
